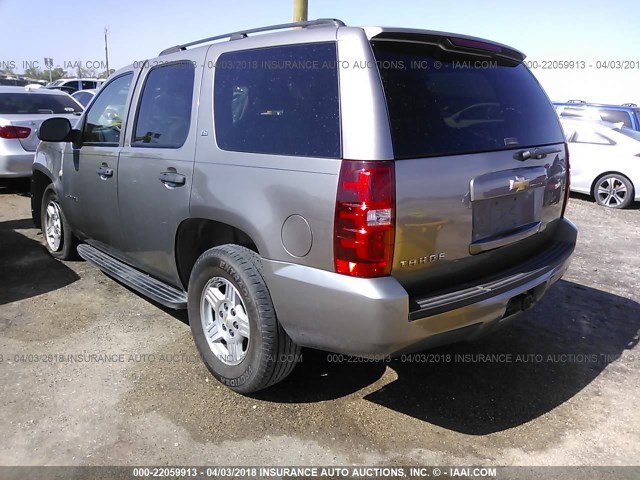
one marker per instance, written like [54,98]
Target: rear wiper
[535,153]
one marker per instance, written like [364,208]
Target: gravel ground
[565,393]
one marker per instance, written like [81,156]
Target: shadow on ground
[512,377]
[319,377]
[557,350]
[26,268]
[17,186]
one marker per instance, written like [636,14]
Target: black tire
[624,195]
[270,354]
[66,250]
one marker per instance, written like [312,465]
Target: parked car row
[11,81]
[604,153]
[71,85]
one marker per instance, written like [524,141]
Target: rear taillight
[9,131]
[364,226]
[567,182]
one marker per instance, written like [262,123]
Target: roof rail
[576,101]
[633,105]
[244,33]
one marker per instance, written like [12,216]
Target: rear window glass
[615,116]
[279,100]
[33,103]
[442,103]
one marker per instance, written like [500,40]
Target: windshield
[441,103]
[34,103]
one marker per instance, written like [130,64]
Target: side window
[279,100]
[589,136]
[616,116]
[87,84]
[104,118]
[164,112]
[71,86]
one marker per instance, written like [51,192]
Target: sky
[545,30]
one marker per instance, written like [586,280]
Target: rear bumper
[357,316]
[16,165]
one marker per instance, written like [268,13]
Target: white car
[605,161]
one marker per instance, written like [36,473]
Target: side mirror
[57,130]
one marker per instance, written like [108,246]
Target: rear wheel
[234,323]
[56,233]
[613,190]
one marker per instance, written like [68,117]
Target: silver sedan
[22,110]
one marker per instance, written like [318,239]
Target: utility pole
[300,10]
[48,62]
[106,49]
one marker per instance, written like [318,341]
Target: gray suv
[366,191]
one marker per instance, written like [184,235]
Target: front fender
[46,169]
[48,159]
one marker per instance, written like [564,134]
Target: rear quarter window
[278,100]
[441,103]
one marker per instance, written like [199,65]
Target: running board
[151,287]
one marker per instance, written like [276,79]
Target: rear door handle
[105,172]
[172,179]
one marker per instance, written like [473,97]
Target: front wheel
[57,236]
[234,323]
[613,190]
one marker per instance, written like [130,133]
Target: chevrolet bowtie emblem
[520,184]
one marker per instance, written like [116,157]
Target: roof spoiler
[452,42]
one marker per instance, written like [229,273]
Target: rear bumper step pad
[536,267]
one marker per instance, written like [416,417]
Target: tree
[38,74]
[105,74]
[81,72]
[56,73]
